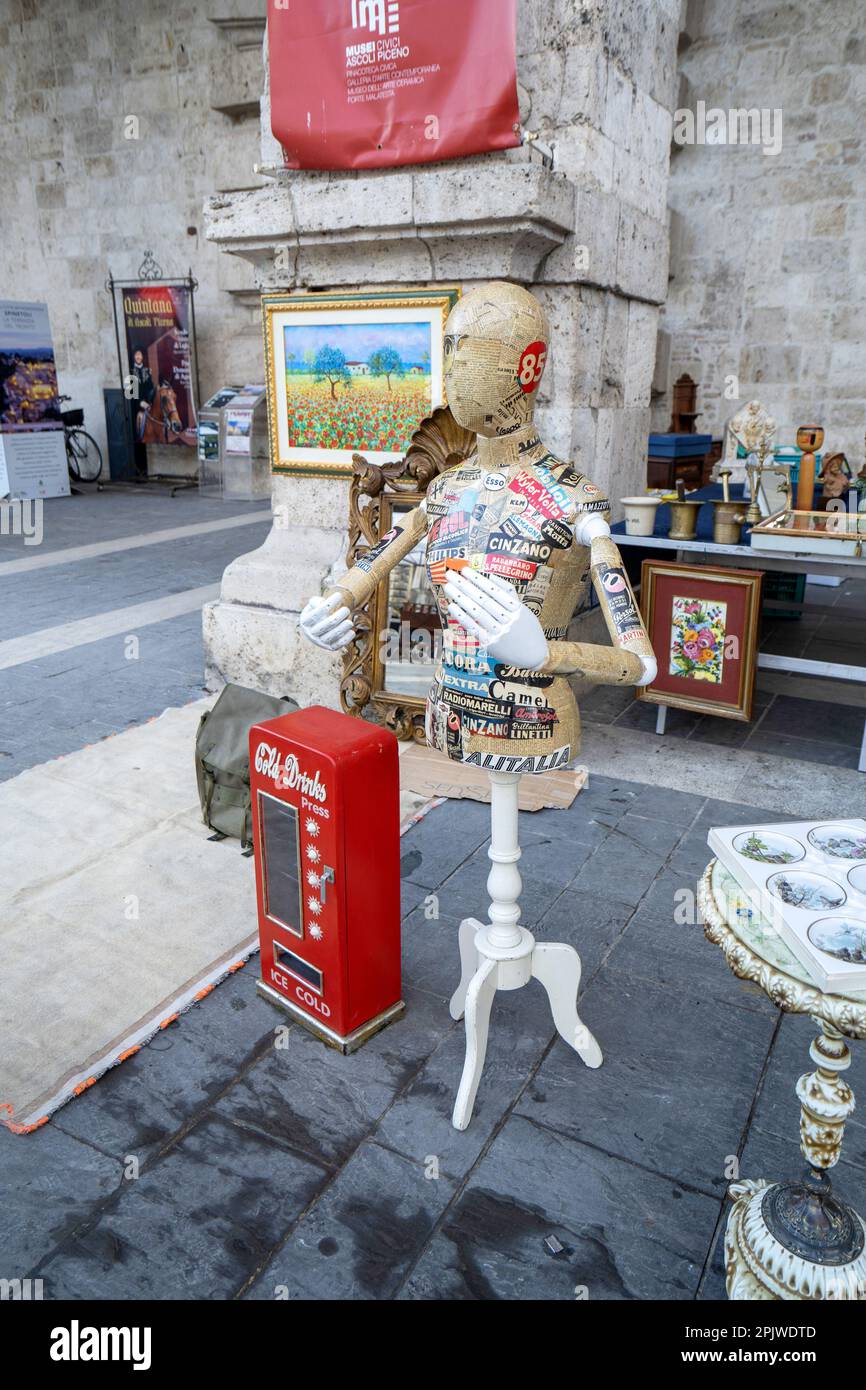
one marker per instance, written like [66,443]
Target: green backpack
[222,758]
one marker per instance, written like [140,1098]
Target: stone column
[577,214]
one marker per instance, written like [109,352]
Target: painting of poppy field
[364,387]
[697,647]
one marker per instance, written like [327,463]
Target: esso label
[531,367]
[494,482]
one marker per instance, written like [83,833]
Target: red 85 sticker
[531,367]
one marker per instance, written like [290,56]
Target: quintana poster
[159,379]
[361,84]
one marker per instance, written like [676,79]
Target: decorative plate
[840,937]
[857,877]
[838,843]
[766,847]
[808,892]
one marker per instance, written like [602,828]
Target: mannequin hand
[650,670]
[488,607]
[327,622]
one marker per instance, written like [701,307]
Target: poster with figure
[365,84]
[159,373]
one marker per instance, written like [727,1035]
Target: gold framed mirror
[388,668]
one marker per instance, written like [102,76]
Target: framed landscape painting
[351,373]
[703,624]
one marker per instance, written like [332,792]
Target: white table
[751,557]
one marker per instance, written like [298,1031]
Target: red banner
[360,84]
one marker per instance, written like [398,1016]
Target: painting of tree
[330,366]
[357,385]
[386,362]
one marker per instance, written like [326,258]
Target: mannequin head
[496,344]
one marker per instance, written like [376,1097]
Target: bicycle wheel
[71,460]
[84,455]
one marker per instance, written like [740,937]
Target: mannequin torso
[510,512]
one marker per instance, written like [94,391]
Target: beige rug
[116,910]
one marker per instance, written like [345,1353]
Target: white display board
[32,441]
[34,465]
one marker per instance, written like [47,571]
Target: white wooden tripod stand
[504,955]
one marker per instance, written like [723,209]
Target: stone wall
[596,84]
[578,214]
[80,199]
[769,256]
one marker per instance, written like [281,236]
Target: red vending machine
[326,827]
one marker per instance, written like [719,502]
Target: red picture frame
[703,624]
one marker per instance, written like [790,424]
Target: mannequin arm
[630,661]
[601,665]
[358,583]
[327,620]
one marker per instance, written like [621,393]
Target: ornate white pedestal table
[502,954]
[795,1239]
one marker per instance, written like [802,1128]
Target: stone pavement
[218,1163]
[268,1171]
[55,704]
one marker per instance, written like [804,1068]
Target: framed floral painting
[351,373]
[703,624]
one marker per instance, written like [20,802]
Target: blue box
[679,445]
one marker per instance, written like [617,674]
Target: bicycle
[83,454]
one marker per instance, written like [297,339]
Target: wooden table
[795,1239]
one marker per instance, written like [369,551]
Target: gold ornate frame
[437,444]
[437,300]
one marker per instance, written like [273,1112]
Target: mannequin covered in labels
[514,536]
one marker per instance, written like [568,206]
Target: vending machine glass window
[281,872]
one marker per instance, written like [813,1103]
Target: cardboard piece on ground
[429,773]
[414,805]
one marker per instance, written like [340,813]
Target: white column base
[262,649]
[251,634]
